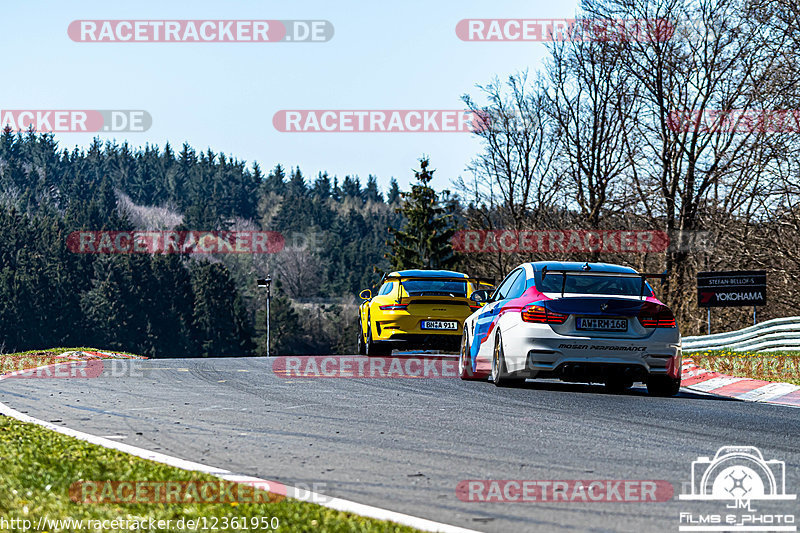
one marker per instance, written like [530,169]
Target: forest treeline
[169,304]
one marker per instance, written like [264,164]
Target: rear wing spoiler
[471,279]
[401,279]
[564,273]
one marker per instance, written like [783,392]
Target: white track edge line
[337,504]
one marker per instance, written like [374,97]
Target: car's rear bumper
[433,341]
[397,326]
[537,351]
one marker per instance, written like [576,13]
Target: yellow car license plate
[439,324]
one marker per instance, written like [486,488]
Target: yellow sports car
[416,309]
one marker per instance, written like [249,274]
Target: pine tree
[275,181]
[424,240]
[351,187]
[108,318]
[393,196]
[296,187]
[219,324]
[286,331]
[371,191]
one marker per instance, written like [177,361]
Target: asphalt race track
[404,444]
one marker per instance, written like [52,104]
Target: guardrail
[778,334]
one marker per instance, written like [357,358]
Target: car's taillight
[540,315]
[394,307]
[656,316]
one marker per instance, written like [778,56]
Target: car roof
[429,274]
[578,265]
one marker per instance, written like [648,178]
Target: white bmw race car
[579,322]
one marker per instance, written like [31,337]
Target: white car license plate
[603,324]
[439,324]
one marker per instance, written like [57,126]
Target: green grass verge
[769,366]
[59,351]
[39,466]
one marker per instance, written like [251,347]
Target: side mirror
[366,294]
[480,296]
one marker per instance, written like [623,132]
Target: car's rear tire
[362,346]
[663,385]
[375,349]
[499,375]
[465,361]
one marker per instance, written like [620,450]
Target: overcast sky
[384,55]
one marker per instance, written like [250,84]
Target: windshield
[583,284]
[419,287]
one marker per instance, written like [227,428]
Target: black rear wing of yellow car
[400,279]
[588,272]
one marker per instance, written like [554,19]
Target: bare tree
[718,59]
[298,270]
[593,109]
[512,179]
[513,172]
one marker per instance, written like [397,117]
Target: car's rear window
[421,287]
[386,288]
[588,284]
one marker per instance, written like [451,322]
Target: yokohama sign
[731,289]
